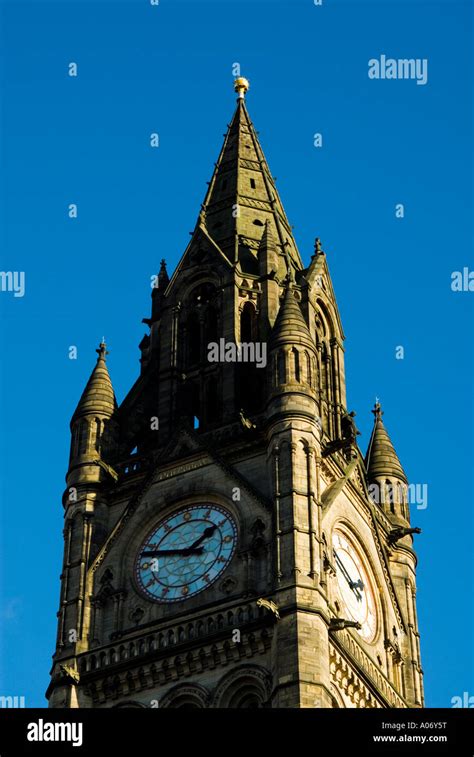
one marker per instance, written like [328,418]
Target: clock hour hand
[167,552]
[205,535]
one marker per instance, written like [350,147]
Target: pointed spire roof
[381,459]
[98,396]
[290,326]
[157,294]
[268,237]
[163,278]
[242,197]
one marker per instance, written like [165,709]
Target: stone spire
[157,293]
[292,361]
[242,197]
[290,327]
[98,397]
[381,459]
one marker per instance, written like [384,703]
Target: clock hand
[205,535]
[343,569]
[185,552]
[353,585]
[194,549]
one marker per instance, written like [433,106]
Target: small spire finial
[163,277]
[102,350]
[317,249]
[377,411]
[241,86]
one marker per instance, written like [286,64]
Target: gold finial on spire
[241,86]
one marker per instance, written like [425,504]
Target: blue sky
[85,140]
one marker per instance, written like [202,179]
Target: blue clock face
[186,552]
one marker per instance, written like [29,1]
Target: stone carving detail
[159,659]
[350,684]
[228,585]
[398,533]
[136,615]
[258,540]
[339,624]
[369,668]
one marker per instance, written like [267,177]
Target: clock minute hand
[353,585]
[205,535]
[343,569]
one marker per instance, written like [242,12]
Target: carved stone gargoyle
[107,468]
[70,673]
[246,422]
[338,624]
[271,606]
[398,533]
[349,434]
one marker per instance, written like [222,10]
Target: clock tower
[226,542]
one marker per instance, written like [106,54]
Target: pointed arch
[295,371]
[248,687]
[186,696]
[248,323]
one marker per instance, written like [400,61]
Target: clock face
[186,552]
[354,585]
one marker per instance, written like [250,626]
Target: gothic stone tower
[226,543]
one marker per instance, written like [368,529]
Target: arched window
[193,339]
[390,499]
[281,367]
[295,364]
[309,377]
[97,431]
[83,436]
[401,499]
[186,697]
[248,323]
[244,689]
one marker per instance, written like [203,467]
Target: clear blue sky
[168,69]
